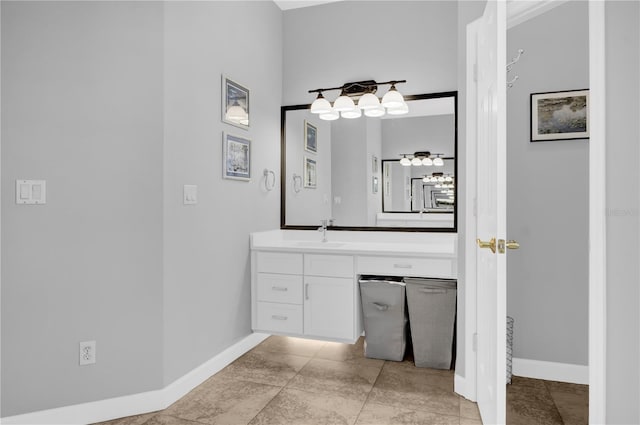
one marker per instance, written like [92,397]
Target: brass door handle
[513,244]
[508,244]
[490,244]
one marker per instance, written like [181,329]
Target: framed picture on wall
[235,103]
[310,173]
[236,157]
[561,115]
[310,137]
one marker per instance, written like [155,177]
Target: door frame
[518,12]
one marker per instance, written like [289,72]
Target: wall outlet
[87,353]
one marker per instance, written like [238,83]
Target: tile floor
[296,381]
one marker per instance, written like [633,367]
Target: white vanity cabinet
[277,292]
[329,298]
[307,288]
[302,294]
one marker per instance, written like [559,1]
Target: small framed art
[560,115]
[310,173]
[310,137]
[235,103]
[236,156]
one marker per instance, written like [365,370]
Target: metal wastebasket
[432,314]
[385,317]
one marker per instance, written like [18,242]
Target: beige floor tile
[162,419]
[343,379]
[469,409]
[265,368]
[289,345]
[572,401]
[296,407]
[529,403]
[347,353]
[129,420]
[224,401]
[415,388]
[378,414]
[467,421]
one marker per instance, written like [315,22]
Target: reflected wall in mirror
[410,198]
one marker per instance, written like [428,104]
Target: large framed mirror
[391,173]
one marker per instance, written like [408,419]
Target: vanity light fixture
[420,158]
[368,103]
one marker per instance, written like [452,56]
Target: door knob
[488,244]
[508,244]
[513,244]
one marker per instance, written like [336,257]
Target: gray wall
[81,108]
[349,170]
[547,194]
[433,133]
[421,49]
[206,258]
[117,105]
[623,201]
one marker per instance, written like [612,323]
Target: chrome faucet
[323,228]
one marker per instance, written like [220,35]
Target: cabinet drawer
[279,317]
[279,262]
[328,265]
[403,266]
[280,288]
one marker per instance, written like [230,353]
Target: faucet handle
[330,222]
[324,223]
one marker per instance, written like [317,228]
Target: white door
[491,213]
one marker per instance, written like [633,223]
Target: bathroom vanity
[304,287]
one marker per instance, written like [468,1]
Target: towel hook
[297,183]
[267,173]
[510,66]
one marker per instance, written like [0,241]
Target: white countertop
[413,244]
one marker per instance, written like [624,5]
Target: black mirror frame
[283,174]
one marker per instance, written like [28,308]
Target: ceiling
[295,4]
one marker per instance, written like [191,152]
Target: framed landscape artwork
[560,115]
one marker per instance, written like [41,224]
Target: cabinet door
[329,309]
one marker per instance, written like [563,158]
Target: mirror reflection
[372,173]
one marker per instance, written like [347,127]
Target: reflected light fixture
[420,158]
[393,102]
[236,113]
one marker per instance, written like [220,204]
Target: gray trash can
[432,314]
[385,317]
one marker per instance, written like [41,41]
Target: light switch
[31,192]
[190,194]
[25,191]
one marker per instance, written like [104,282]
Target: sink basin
[314,244]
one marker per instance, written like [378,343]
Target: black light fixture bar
[364,84]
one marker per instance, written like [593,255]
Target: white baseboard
[136,404]
[551,371]
[461,387]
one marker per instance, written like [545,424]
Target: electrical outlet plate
[87,353]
